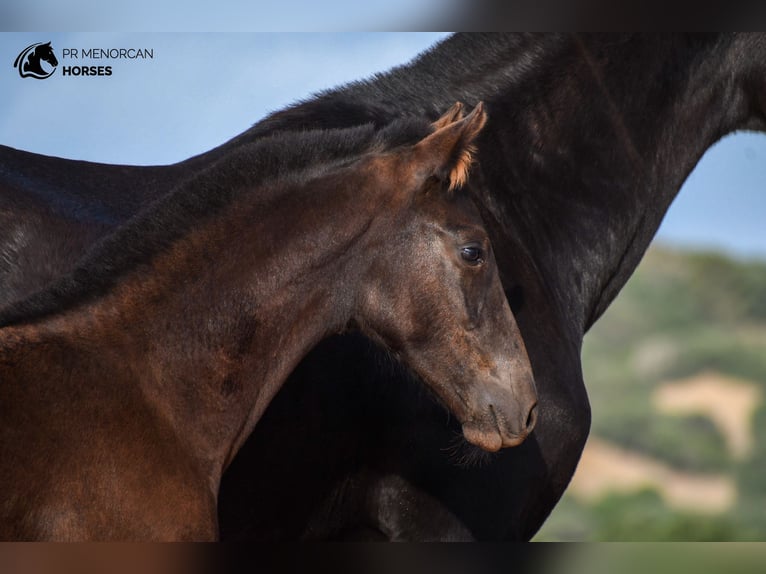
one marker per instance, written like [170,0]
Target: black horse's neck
[588,142]
[598,183]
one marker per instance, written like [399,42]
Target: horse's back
[84,190]
[53,209]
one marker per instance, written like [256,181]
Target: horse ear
[448,152]
[453,114]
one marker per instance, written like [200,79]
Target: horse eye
[472,254]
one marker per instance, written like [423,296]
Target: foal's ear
[448,152]
[453,114]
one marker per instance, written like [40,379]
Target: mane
[462,67]
[289,157]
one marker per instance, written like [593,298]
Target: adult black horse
[591,138]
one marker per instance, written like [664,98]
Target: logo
[30,61]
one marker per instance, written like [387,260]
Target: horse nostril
[531,419]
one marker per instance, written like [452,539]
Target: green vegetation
[680,315]
[638,517]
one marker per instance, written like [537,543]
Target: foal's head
[433,295]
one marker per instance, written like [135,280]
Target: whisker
[466,455]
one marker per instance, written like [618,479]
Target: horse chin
[490,440]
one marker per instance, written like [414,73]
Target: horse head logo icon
[29,62]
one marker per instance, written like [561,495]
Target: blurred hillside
[676,374]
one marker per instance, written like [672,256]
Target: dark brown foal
[127,388]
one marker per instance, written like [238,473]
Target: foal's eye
[472,254]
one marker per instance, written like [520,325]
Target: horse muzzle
[501,424]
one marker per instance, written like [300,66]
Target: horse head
[28,61]
[45,52]
[452,325]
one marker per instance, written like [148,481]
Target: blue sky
[227,15]
[200,89]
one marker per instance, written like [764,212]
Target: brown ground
[729,403]
[605,467]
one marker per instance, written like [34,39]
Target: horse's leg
[400,511]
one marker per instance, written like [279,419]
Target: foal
[127,388]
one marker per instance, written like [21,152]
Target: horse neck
[599,153]
[221,317]
[425,88]
[587,144]
[589,140]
